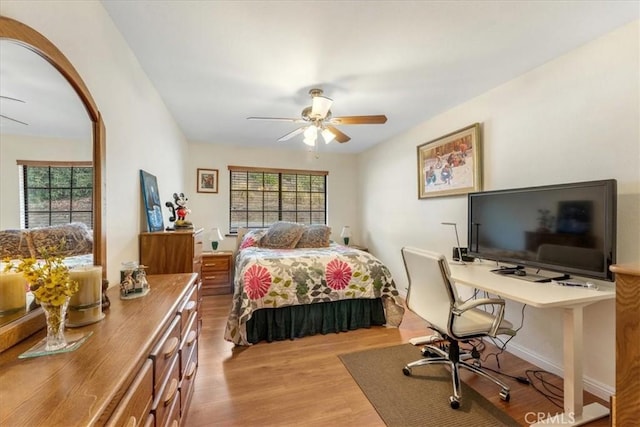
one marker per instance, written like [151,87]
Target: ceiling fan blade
[340,137]
[292,134]
[320,106]
[14,120]
[277,119]
[359,120]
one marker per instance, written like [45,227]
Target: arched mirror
[34,68]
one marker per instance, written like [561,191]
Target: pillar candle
[13,290]
[85,306]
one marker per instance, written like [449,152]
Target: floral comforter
[271,278]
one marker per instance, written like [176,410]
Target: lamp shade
[216,235]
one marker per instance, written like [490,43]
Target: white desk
[547,295]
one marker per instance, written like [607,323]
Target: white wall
[20,147]
[575,118]
[141,134]
[212,210]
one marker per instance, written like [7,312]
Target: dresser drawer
[189,344]
[165,352]
[172,418]
[212,263]
[187,383]
[188,310]
[134,407]
[167,394]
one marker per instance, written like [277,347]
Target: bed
[305,285]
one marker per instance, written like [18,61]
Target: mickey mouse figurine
[179,211]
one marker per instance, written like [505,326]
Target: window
[54,193]
[260,197]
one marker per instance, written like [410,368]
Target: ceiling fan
[10,118]
[318,120]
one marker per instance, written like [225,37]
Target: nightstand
[217,277]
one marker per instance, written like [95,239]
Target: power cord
[521,380]
[503,344]
[551,392]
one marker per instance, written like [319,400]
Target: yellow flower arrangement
[49,279]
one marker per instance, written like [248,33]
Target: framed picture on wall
[451,164]
[207,180]
[151,197]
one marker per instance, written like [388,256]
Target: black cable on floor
[551,392]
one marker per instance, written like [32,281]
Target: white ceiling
[217,62]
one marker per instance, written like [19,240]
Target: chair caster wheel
[455,403]
[429,353]
[406,371]
[505,395]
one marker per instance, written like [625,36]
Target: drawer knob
[170,347]
[191,370]
[191,305]
[191,338]
[173,387]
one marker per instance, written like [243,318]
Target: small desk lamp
[216,237]
[455,227]
[346,234]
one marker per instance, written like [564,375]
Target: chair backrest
[431,294]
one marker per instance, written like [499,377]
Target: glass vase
[55,315]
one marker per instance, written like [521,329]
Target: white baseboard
[603,391]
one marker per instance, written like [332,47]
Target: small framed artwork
[207,180]
[451,164]
[151,197]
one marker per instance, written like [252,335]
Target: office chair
[433,297]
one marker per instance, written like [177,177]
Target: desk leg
[575,413]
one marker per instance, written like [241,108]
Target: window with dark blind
[56,193]
[260,197]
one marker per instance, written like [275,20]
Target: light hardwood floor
[303,383]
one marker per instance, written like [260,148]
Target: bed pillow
[315,236]
[251,238]
[14,244]
[282,235]
[77,237]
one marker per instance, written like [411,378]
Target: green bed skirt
[276,324]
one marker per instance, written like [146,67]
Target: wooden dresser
[625,405]
[166,252]
[137,369]
[217,276]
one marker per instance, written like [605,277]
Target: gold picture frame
[207,181]
[450,165]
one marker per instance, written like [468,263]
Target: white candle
[85,306]
[13,292]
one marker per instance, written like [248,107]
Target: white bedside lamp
[216,237]
[346,234]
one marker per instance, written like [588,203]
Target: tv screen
[564,228]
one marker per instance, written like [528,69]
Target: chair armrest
[498,317]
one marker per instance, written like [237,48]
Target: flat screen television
[564,228]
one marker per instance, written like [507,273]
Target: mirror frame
[15,31]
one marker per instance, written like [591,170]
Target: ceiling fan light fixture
[320,106]
[328,136]
[311,132]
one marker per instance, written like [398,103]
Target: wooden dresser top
[80,387]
